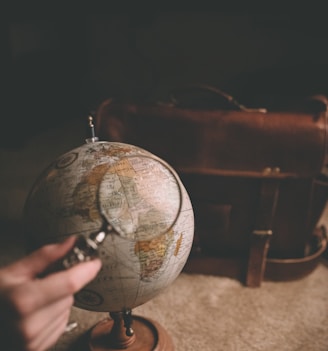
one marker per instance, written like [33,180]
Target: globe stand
[112,334]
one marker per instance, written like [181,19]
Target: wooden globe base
[110,335]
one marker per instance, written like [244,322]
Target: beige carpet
[200,313]
[213,314]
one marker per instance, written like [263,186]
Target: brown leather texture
[256,179]
[222,142]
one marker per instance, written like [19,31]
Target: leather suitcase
[257,179]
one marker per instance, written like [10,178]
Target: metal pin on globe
[92,137]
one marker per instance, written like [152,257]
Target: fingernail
[70,326]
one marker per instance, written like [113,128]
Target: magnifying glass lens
[140,197]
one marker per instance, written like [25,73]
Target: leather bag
[257,179]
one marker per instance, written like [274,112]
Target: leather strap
[283,269]
[275,269]
[261,235]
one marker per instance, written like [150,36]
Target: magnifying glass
[139,198]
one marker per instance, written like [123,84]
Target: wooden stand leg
[148,335]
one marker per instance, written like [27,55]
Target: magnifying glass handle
[85,249]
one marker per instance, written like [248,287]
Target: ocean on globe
[134,191]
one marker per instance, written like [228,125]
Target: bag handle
[176,101]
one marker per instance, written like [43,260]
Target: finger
[27,330]
[35,263]
[50,334]
[32,324]
[36,294]
[74,278]
[71,280]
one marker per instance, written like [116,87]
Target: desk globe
[149,226]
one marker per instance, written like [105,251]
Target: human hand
[34,311]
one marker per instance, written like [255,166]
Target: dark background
[61,64]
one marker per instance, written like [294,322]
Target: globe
[134,193]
